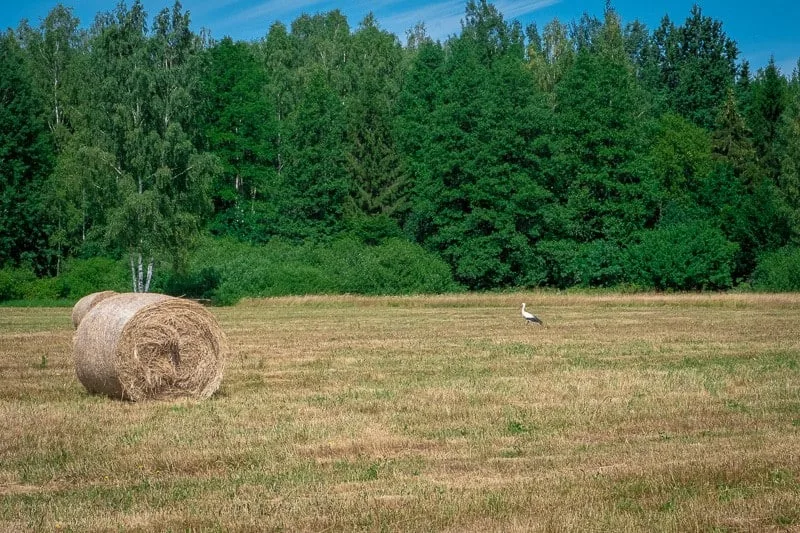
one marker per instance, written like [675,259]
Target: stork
[530,317]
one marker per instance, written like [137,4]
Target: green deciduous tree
[56,51]
[25,161]
[240,127]
[604,186]
[134,151]
[477,171]
[323,46]
[279,57]
[550,55]
[56,55]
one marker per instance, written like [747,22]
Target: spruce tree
[764,113]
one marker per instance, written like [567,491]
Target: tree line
[587,153]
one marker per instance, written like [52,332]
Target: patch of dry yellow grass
[447,413]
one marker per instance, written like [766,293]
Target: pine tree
[682,160]
[421,95]
[600,175]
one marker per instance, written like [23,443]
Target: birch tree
[54,51]
[140,108]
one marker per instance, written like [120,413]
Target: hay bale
[86,303]
[149,346]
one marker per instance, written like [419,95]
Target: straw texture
[149,346]
[86,303]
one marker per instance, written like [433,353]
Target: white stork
[530,317]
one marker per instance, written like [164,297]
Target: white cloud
[512,9]
[443,19]
[272,10]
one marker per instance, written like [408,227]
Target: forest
[138,154]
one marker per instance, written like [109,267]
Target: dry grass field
[447,413]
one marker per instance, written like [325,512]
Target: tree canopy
[595,152]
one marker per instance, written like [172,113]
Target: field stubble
[446,413]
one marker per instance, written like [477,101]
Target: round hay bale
[86,303]
[149,346]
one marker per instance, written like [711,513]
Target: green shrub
[22,284]
[394,267]
[558,260]
[410,269]
[85,276]
[373,230]
[778,271]
[688,256]
[347,265]
[43,289]
[201,284]
[571,264]
[273,269]
[14,283]
[80,277]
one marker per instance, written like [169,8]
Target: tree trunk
[140,276]
[141,283]
[133,274]
[149,275]
[83,214]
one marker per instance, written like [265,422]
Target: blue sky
[762,28]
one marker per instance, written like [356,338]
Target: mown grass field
[448,413]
